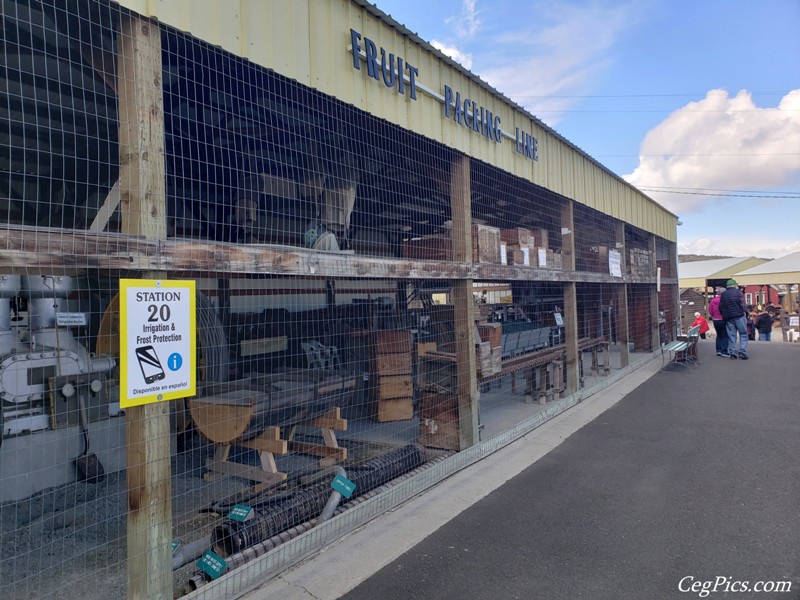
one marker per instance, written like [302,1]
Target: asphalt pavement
[686,486]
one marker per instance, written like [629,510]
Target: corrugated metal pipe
[231,536]
[235,561]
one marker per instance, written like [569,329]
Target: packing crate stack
[388,354]
[526,248]
[641,262]
[489,349]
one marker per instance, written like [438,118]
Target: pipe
[230,536]
[234,561]
[334,500]
[185,553]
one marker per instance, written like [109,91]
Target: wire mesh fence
[349,317]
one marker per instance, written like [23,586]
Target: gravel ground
[69,541]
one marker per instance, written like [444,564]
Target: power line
[683,110]
[672,187]
[702,94]
[670,155]
[722,194]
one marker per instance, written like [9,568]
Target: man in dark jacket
[734,313]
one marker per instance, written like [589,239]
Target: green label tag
[240,512]
[212,564]
[343,485]
[175,545]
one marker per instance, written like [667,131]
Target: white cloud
[463,58]
[467,23]
[569,50]
[721,142]
[738,245]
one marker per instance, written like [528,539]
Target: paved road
[692,475]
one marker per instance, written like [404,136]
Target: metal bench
[681,351]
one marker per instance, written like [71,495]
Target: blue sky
[699,97]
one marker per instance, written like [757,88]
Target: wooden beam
[570,315]
[32,248]
[623,335]
[143,212]
[141,131]
[149,527]
[654,325]
[106,209]
[464,305]
[461,210]
[623,324]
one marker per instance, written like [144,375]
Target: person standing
[734,313]
[719,324]
[764,325]
[701,321]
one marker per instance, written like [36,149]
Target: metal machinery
[43,368]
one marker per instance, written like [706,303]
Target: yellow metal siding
[307,41]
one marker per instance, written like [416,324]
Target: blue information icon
[174,361]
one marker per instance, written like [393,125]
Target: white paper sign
[542,257]
[614,263]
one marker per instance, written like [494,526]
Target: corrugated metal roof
[696,274]
[785,269]
[707,269]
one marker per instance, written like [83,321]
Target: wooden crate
[491,332]
[391,341]
[393,382]
[516,257]
[394,364]
[438,421]
[429,248]
[497,359]
[394,386]
[483,356]
[485,244]
[516,236]
[424,347]
[542,237]
[395,409]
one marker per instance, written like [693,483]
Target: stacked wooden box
[641,263]
[489,360]
[432,247]
[393,387]
[518,242]
[489,349]
[485,244]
